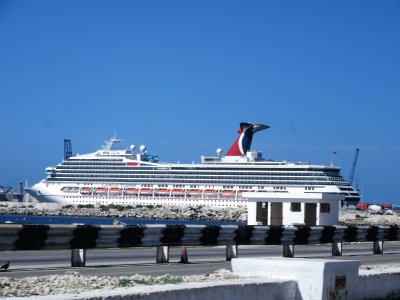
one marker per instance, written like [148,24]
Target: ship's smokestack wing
[243,142]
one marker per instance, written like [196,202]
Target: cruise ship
[113,175]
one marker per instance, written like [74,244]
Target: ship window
[295,206]
[325,207]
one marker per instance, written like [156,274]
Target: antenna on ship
[333,158]
[108,144]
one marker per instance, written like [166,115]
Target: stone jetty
[158,212]
[135,212]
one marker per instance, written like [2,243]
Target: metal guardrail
[82,237]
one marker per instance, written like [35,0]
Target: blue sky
[179,77]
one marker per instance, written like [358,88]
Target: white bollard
[288,250]
[231,252]
[78,257]
[378,247]
[162,254]
[337,249]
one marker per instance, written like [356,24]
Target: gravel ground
[363,218]
[73,283]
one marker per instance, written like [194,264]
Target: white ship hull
[46,193]
[115,176]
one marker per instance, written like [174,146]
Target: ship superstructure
[126,177]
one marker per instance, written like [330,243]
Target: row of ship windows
[221,182]
[219,176]
[125,171]
[186,167]
[100,201]
[241,187]
[226,180]
[186,196]
[202,177]
[173,169]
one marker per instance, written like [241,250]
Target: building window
[295,206]
[325,207]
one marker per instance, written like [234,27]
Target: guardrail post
[162,254]
[78,257]
[184,256]
[231,252]
[337,249]
[288,250]
[378,247]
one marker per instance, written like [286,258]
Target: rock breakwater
[204,213]
[138,212]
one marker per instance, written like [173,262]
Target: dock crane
[353,168]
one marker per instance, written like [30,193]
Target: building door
[310,214]
[262,213]
[276,213]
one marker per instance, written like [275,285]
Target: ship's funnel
[243,142]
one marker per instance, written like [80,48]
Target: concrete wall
[330,218]
[378,286]
[251,213]
[235,289]
[323,278]
[292,217]
[316,278]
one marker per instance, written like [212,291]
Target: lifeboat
[146,191]
[101,190]
[262,191]
[131,191]
[178,191]
[228,193]
[85,190]
[210,192]
[195,192]
[240,192]
[115,190]
[163,191]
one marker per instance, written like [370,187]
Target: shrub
[120,207]
[68,206]
[104,207]
[85,206]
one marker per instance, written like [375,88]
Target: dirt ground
[355,217]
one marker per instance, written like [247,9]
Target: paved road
[202,260]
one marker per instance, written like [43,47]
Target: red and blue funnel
[243,142]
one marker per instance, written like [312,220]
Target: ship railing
[80,238]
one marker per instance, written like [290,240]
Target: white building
[310,208]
